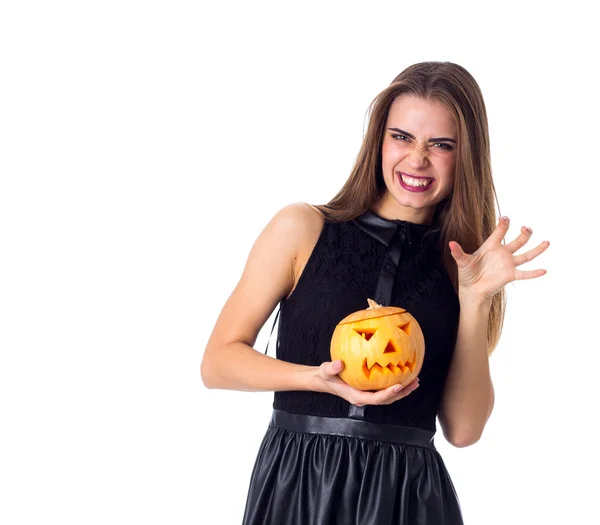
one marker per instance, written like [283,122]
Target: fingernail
[529,230]
[504,218]
[337,365]
[397,389]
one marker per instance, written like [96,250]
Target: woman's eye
[399,137]
[443,145]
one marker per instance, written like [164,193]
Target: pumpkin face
[380,347]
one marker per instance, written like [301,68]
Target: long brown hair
[468,215]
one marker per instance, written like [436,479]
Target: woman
[414,226]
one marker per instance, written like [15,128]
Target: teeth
[369,363]
[417,183]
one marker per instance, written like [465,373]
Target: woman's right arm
[230,361]
[274,264]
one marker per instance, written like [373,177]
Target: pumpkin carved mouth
[390,368]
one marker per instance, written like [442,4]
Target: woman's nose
[418,158]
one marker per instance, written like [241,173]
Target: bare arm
[268,276]
[469,394]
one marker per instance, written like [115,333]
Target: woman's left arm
[469,394]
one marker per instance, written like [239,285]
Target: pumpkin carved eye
[405,327]
[380,346]
[366,334]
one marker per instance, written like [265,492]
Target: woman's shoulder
[302,211]
[301,220]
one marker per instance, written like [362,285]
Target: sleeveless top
[395,263]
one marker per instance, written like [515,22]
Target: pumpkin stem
[373,305]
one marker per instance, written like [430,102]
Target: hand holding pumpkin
[382,347]
[486,271]
[333,384]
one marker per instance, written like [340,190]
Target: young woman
[414,226]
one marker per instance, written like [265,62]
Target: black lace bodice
[393,262]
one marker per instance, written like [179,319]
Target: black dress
[324,461]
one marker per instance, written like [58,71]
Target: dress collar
[384,230]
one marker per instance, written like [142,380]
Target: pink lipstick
[414,178]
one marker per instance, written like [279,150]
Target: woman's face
[418,159]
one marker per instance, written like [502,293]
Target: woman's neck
[389,208]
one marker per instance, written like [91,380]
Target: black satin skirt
[340,471]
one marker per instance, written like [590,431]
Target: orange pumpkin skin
[380,347]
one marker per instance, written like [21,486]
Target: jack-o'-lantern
[380,346]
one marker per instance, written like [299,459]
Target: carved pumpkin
[380,346]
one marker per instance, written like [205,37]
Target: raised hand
[494,265]
[333,384]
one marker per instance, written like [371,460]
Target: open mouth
[414,183]
[390,368]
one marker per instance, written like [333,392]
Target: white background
[144,145]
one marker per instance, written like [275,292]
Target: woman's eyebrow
[438,139]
